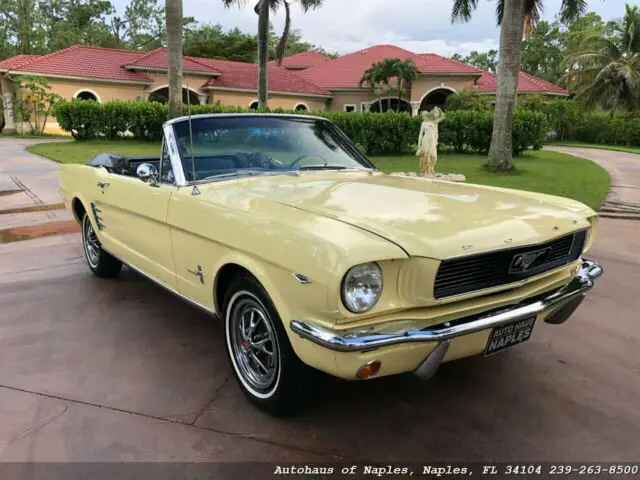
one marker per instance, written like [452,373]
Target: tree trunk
[263,53]
[173,9]
[511,32]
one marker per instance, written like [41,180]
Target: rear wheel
[264,363]
[100,262]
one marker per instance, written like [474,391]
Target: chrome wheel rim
[254,345]
[91,243]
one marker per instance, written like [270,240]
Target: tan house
[307,81]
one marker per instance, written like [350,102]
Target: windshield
[228,146]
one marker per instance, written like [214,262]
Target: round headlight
[361,287]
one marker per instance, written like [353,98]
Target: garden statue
[428,141]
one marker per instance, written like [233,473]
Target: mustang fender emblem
[523,261]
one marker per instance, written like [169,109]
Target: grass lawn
[541,171]
[617,148]
[81,152]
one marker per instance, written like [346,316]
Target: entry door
[134,223]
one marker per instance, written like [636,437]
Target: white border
[354,105]
[187,87]
[439,87]
[78,92]
[302,104]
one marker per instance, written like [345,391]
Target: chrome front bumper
[565,300]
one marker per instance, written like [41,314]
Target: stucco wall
[244,99]
[105,91]
[342,99]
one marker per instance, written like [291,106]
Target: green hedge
[569,121]
[375,133]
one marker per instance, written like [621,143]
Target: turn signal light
[368,370]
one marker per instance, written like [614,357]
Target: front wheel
[264,363]
[100,262]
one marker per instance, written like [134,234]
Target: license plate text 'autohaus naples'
[506,336]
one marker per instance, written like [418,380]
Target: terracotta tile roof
[302,60]
[434,63]
[346,71]
[527,83]
[87,62]
[245,76]
[158,59]
[17,61]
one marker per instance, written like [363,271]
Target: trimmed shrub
[468,101]
[563,116]
[568,121]
[374,133]
[83,119]
[470,131]
[529,130]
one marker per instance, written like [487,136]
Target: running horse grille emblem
[524,261]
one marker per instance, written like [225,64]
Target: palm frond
[310,4]
[570,10]
[462,10]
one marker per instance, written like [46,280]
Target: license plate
[508,335]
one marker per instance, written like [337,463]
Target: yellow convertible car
[316,261]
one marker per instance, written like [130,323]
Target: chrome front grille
[477,272]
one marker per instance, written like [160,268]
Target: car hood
[424,217]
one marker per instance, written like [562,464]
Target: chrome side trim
[96,215]
[166,287]
[355,341]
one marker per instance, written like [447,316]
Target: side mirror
[147,173]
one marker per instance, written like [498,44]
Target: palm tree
[384,71]
[605,70]
[388,70]
[372,77]
[173,12]
[262,9]
[406,72]
[512,16]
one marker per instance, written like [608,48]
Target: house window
[86,95]
[253,105]
[301,107]
[350,108]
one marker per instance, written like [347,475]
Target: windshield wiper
[323,167]
[237,173]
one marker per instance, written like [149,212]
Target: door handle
[102,185]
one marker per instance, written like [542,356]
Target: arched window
[86,95]
[301,107]
[253,105]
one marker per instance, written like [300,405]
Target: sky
[345,26]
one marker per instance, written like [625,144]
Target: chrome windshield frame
[174,155]
[178,167]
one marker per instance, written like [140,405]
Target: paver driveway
[113,370]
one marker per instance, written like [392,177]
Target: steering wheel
[303,156]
